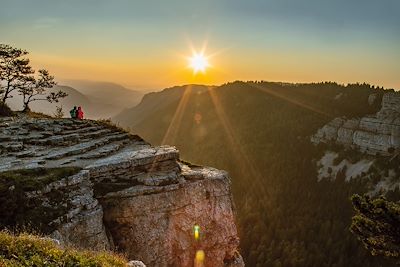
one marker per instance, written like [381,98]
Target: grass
[29,250]
[35,179]
[192,165]
[16,210]
[111,125]
[36,115]
[6,111]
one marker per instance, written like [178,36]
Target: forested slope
[260,133]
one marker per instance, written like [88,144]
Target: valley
[261,133]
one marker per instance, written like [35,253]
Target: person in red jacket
[79,113]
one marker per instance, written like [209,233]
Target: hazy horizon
[145,45]
[65,82]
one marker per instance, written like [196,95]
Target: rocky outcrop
[130,196]
[80,220]
[138,218]
[378,133]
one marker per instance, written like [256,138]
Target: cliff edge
[125,194]
[376,136]
[376,133]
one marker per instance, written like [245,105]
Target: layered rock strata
[129,196]
[378,133]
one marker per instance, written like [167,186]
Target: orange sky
[145,44]
[171,68]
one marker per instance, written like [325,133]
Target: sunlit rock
[378,133]
[127,195]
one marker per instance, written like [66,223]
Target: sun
[198,62]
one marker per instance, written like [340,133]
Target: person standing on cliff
[73,112]
[79,113]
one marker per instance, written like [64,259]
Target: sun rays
[174,125]
[241,158]
[199,63]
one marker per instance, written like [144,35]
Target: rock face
[82,223]
[130,196]
[164,221]
[378,133]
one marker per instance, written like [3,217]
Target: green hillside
[260,133]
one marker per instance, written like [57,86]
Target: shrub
[111,125]
[17,210]
[29,250]
[5,110]
[59,113]
[38,115]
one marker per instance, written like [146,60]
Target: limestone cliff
[378,133]
[129,196]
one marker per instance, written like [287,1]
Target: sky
[146,44]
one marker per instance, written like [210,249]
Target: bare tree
[59,113]
[14,68]
[35,89]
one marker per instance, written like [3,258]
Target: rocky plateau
[128,195]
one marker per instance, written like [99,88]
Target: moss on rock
[18,210]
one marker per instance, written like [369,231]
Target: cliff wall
[128,195]
[377,133]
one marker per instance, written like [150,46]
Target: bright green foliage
[33,251]
[377,225]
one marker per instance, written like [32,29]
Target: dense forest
[260,133]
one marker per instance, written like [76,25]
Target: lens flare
[199,258]
[196,231]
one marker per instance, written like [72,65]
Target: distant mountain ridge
[153,102]
[98,99]
[107,92]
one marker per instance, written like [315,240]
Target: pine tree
[377,225]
